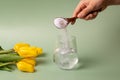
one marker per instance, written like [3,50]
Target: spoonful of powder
[61,23]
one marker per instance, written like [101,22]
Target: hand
[89,9]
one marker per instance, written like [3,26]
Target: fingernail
[80,16]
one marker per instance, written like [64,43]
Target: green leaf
[6,68]
[6,51]
[10,57]
[1,48]
[6,63]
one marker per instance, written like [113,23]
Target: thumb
[85,11]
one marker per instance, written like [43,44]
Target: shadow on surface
[42,60]
[88,62]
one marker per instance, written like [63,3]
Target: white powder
[65,38]
[60,23]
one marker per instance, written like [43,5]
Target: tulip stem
[6,51]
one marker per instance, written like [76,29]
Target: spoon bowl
[61,23]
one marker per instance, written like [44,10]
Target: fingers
[82,11]
[78,9]
[85,11]
[91,16]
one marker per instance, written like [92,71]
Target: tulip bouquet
[23,55]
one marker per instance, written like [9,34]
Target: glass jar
[65,53]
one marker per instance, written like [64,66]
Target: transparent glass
[65,53]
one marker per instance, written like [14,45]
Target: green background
[31,21]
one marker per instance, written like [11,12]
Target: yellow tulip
[24,66]
[38,50]
[27,52]
[19,45]
[31,61]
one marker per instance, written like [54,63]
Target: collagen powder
[60,23]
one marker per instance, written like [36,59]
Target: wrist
[113,2]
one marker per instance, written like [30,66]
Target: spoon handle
[71,20]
